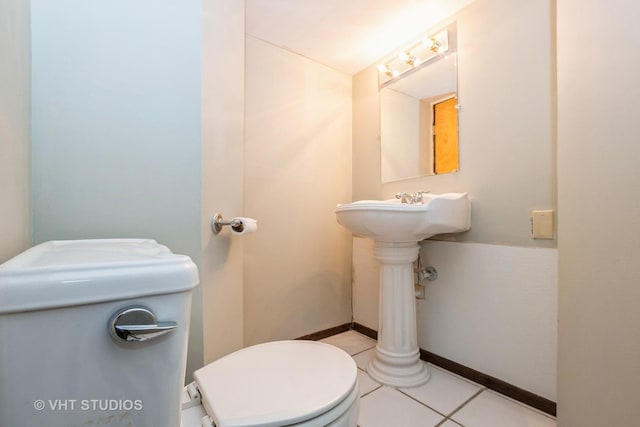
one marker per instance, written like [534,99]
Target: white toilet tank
[68,359]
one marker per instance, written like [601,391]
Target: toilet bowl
[282,383]
[94,332]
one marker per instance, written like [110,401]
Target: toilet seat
[280,383]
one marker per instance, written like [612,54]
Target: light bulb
[432,44]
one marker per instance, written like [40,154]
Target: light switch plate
[542,224]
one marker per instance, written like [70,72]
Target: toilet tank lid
[74,272]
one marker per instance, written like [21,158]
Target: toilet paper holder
[217,222]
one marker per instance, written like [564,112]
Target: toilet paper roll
[241,225]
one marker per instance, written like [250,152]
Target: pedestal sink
[396,229]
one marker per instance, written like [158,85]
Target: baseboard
[541,403]
[371,333]
[316,336]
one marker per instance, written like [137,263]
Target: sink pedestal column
[397,360]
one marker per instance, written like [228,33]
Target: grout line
[448,419]
[464,403]
[422,403]
[363,336]
[362,351]
[371,391]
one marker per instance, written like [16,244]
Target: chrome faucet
[404,197]
[412,198]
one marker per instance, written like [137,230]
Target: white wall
[297,168]
[499,301]
[15,102]
[116,126]
[477,312]
[599,213]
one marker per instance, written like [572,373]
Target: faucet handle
[404,197]
[419,196]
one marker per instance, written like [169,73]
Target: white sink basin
[392,221]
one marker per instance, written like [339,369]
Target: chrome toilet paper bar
[217,222]
[239,225]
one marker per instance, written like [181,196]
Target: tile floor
[446,400]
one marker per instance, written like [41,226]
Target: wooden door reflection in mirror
[445,136]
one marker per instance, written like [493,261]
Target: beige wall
[297,168]
[507,150]
[222,181]
[599,213]
[15,102]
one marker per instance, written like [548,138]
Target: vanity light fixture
[408,58]
[387,71]
[413,56]
[432,44]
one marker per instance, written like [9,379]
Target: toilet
[94,332]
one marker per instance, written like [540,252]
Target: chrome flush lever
[138,324]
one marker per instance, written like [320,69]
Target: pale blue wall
[116,124]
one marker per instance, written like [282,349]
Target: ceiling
[347,35]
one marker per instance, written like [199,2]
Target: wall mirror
[419,109]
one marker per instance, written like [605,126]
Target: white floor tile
[387,407]
[351,341]
[443,392]
[490,409]
[362,359]
[367,384]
